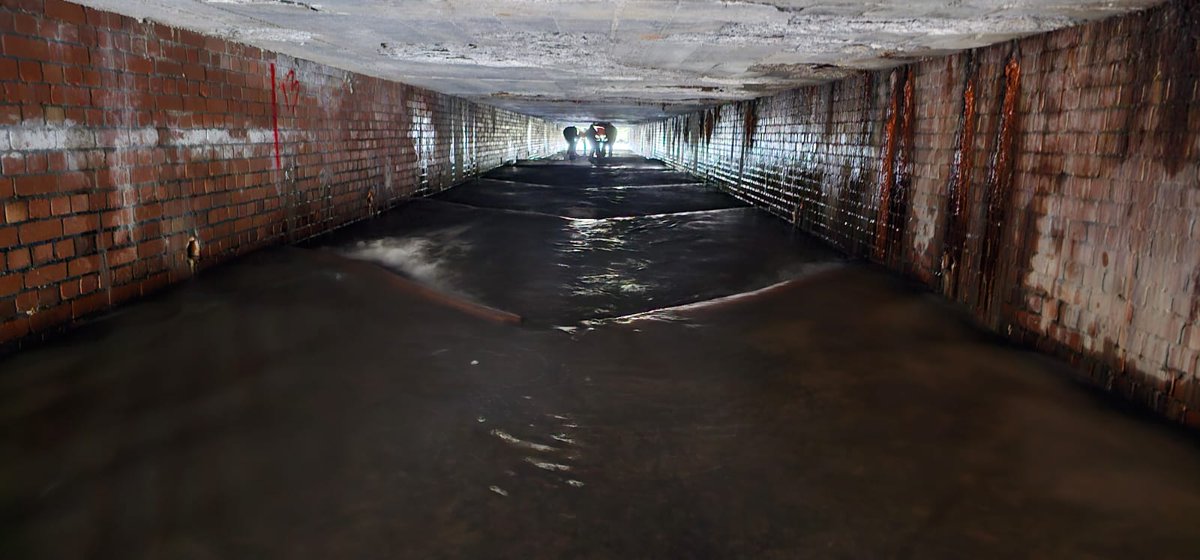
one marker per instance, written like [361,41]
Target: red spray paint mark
[290,87]
[275,117]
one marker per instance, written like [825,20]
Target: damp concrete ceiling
[621,60]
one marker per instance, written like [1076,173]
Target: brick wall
[120,141]
[1048,184]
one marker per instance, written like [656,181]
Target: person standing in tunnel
[592,136]
[610,132]
[571,134]
[600,137]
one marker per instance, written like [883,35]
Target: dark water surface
[620,171]
[291,405]
[588,202]
[517,246]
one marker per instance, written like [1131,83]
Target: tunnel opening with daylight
[605,279]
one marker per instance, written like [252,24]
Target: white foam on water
[553,467]
[420,257]
[410,256]
[802,272]
[517,442]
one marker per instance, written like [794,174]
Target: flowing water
[303,402]
[581,242]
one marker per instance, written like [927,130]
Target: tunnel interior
[563,243]
[684,381]
[290,279]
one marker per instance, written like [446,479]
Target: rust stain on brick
[1193,317]
[749,123]
[1062,234]
[896,171]
[832,93]
[999,184]
[887,177]
[711,117]
[1164,87]
[1181,59]
[958,192]
[139,180]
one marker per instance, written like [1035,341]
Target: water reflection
[513,246]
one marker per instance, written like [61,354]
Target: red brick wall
[121,140]
[1048,184]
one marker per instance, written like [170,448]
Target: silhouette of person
[593,143]
[571,134]
[601,131]
[610,133]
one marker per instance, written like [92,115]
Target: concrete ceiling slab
[620,60]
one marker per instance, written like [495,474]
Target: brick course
[1048,184]
[121,140]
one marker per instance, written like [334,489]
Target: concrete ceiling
[623,60]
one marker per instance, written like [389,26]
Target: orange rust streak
[906,127]
[960,187]
[888,178]
[898,206]
[966,162]
[1000,181]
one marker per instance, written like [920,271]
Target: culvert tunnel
[290,279]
